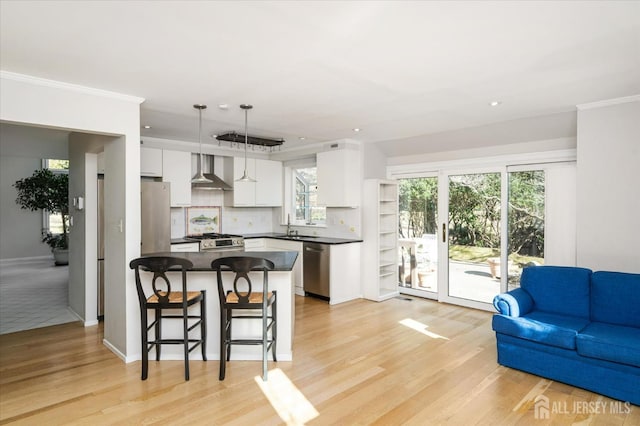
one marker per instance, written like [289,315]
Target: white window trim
[511,160]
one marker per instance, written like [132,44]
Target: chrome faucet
[288,224]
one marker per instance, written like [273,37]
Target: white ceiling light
[495,103]
[199,177]
[357,129]
[245,177]
[147,126]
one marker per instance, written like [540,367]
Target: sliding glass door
[418,236]
[487,225]
[526,227]
[474,236]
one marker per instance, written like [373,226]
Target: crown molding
[23,78]
[608,102]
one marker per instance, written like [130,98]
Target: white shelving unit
[380,234]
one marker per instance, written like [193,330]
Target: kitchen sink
[296,237]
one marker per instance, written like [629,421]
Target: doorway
[494,227]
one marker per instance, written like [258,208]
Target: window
[52,222]
[305,186]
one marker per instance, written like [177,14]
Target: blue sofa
[574,326]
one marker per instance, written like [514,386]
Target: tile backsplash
[234,220]
[341,222]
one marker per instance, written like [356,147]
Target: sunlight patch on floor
[421,328]
[529,399]
[290,404]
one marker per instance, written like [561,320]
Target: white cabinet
[185,247]
[339,178]
[284,245]
[344,274]
[176,169]
[380,234]
[150,162]
[254,244]
[269,183]
[244,193]
[265,192]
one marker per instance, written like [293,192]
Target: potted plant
[45,190]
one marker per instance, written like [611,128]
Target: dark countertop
[283,260]
[302,238]
[183,241]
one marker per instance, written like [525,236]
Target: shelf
[380,225]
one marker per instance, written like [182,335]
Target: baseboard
[117,352]
[19,260]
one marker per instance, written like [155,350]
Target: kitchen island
[202,277]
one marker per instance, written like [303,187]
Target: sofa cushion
[610,342]
[542,327]
[558,289]
[615,298]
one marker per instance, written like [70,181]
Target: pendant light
[199,177]
[245,177]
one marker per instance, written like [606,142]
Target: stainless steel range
[218,242]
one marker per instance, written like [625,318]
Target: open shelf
[380,247]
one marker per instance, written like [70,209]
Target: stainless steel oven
[218,242]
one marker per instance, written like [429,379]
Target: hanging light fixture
[245,177]
[199,177]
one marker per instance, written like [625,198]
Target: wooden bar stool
[244,297]
[164,297]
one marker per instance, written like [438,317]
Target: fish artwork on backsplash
[203,219]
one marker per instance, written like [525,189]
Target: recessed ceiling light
[495,103]
[357,129]
[223,106]
[147,127]
[302,138]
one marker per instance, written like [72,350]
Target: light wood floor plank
[397,362]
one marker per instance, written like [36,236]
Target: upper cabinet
[150,162]
[269,183]
[339,178]
[265,192]
[176,168]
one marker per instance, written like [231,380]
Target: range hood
[205,167]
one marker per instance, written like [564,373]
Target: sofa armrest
[515,303]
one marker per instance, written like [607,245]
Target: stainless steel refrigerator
[155,209]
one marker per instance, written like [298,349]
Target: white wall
[83,282]
[21,152]
[45,103]
[608,185]
[375,162]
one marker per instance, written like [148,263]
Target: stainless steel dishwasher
[316,265]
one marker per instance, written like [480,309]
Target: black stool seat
[162,298]
[244,298]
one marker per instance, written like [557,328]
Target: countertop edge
[319,240]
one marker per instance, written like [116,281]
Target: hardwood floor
[397,362]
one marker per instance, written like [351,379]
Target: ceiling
[410,75]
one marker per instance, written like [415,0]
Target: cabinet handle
[444,230]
